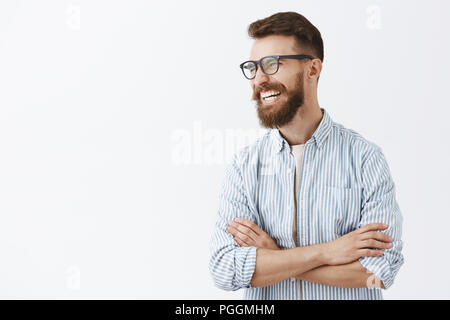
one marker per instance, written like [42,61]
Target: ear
[315,69]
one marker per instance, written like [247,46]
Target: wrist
[322,253]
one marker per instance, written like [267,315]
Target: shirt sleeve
[379,205]
[230,265]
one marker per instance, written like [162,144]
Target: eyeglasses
[269,64]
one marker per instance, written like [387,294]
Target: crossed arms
[332,263]
[348,261]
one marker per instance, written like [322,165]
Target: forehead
[273,45]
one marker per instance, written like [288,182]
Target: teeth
[269,93]
[270,98]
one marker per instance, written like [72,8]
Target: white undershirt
[297,152]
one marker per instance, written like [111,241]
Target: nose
[260,78]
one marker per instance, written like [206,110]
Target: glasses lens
[270,65]
[249,69]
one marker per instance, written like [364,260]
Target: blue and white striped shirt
[345,184]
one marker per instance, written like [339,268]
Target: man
[308,211]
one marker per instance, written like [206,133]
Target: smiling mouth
[270,97]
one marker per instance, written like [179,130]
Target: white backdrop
[117,119]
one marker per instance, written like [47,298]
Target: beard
[276,116]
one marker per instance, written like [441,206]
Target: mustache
[257,92]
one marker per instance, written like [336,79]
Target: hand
[355,244]
[246,233]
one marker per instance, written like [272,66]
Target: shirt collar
[319,136]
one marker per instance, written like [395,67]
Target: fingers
[250,224]
[247,233]
[376,235]
[371,226]
[239,237]
[371,243]
[240,242]
[242,232]
[370,253]
[244,228]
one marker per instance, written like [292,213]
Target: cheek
[289,76]
[283,79]
[290,84]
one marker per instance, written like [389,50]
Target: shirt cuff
[245,266]
[380,268]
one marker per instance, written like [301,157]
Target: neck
[303,125]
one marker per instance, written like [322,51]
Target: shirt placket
[302,230]
[296,209]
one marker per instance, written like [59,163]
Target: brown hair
[290,24]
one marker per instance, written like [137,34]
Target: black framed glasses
[269,64]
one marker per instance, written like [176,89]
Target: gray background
[117,119]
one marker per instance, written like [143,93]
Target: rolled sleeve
[230,265]
[379,205]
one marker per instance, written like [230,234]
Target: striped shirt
[345,183]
